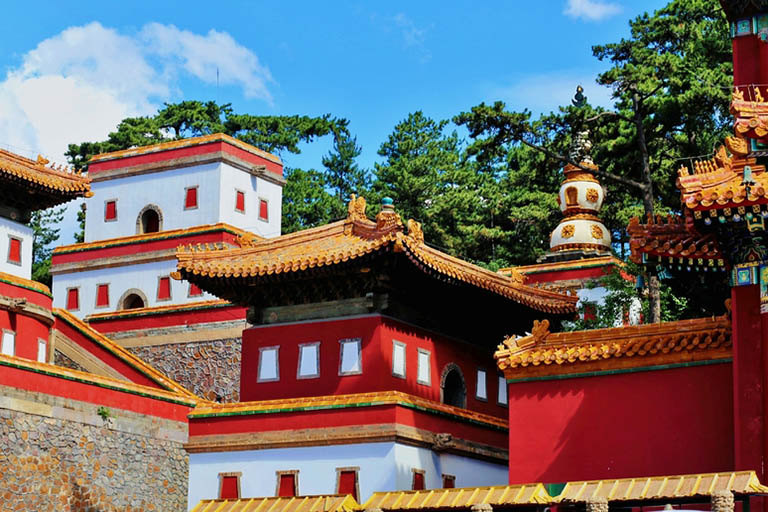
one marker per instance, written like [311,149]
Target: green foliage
[45,232]
[306,200]
[80,235]
[105,413]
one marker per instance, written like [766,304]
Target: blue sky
[69,74]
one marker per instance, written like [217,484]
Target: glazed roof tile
[459,498]
[662,487]
[122,354]
[206,409]
[330,503]
[55,182]
[184,143]
[565,352]
[25,283]
[751,113]
[352,238]
[563,265]
[159,310]
[674,238]
[152,237]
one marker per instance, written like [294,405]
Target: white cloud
[79,84]
[413,36]
[591,10]
[545,92]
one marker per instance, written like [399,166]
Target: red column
[746,62]
[748,379]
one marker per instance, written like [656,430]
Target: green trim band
[151,239]
[26,287]
[164,312]
[345,406]
[189,403]
[620,371]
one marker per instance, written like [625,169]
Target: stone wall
[60,454]
[210,369]
[60,359]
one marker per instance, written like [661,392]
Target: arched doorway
[133,299]
[150,220]
[453,390]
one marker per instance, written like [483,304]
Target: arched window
[150,220]
[453,390]
[133,299]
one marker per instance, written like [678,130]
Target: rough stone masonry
[61,454]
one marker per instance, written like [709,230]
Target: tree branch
[608,113]
[603,174]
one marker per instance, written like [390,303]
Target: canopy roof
[339,243]
[542,353]
[29,184]
[331,503]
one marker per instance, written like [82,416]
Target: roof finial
[579,100]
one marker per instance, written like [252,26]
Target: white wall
[164,189]
[383,467]
[143,277]
[10,228]
[234,179]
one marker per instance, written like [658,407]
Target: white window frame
[170,289]
[419,353]
[197,197]
[3,345]
[66,303]
[351,469]
[42,350]
[96,298]
[245,201]
[478,396]
[395,346]
[359,342]
[258,213]
[315,375]
[21,250]
[276,378]
[237,474]
[502,389]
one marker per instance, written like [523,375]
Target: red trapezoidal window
[194,290]
[190,199]
[263,210]
[14,250]
[73,299]
[229,487]
[102,295]
[240,201]
[110,210]
[449,481]
[164,288]
[287,484]
[418,480]
[347,482]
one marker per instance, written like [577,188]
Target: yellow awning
[344,503]
[461,498]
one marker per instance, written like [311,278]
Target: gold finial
[41,160]
[758,96]
[415,232]
[356,208]
[738,94]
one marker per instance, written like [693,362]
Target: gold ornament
[567,231]
[592,195]
[597,232]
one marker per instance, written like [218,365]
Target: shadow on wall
[662,422]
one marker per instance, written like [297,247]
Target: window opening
[350,362]
[449,481]
[190,198]
[164,288]
[398,359]
[240,201]
[73,299]
[263,210]
[102,295]
[14,250]
[194,290]
[346,481]
[417,483]
[502,395]
[150,221]
[42,352]
[229,486]
[8,346]
[423,374]
[309,360]
[288,483]
[482,385]
[269,371]
[110,210]
[453,389]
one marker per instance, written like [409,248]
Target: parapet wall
[62,454]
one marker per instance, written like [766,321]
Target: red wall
[28,329]
[377,334]
[663,422]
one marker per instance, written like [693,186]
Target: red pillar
[746,62]
[748,379]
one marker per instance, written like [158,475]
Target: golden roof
[672,237]
[25,283]
[184,143]
[59,182]
[122,354]
[560,266]
[159,310]
[460,498]
[662,487]
[153,237]
[331,503]
[352,238]
[751,114]
[543,353]
[378,398]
